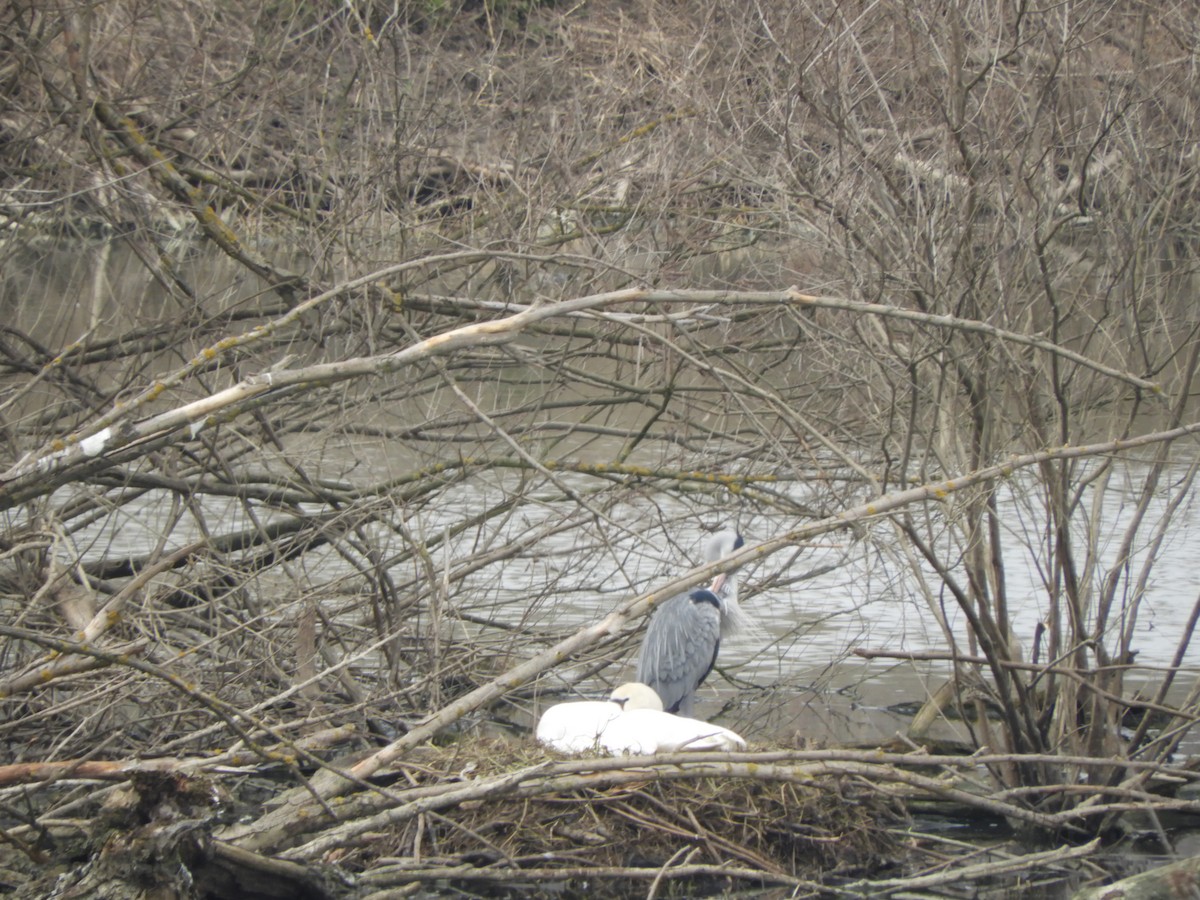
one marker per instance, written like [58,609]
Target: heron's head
[717,547]
[635,695]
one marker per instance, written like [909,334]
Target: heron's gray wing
[680,647]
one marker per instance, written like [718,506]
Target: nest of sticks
[701,835]
[595,827]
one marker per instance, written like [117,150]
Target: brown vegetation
[385,332]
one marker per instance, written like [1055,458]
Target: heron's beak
[718,584]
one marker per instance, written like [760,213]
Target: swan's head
[636,695]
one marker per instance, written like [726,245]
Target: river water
[792,675]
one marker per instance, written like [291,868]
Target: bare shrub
[414,340]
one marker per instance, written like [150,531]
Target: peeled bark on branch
[63,461]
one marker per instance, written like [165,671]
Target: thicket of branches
[406,328]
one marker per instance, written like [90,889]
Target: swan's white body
[631,723]
[576,727]
[640,731]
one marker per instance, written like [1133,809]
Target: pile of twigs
[496,818]
[603,823]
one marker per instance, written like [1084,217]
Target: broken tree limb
[122,769]
[1179,879]
[56,463]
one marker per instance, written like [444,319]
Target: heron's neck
[732,617]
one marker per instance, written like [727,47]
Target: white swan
[643,727]
[630,722]
[577,727]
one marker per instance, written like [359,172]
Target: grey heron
[684,634]
[631,721]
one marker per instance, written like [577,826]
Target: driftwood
[152,839]
[1180,879]
[123,770]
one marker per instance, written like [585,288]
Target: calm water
[793,672]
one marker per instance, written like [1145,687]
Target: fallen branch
[1178,879]
[123,769]
[960,874]
[41,674]
[388,876]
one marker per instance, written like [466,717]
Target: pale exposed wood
[1179,879]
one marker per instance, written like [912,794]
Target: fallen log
[1178,879]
